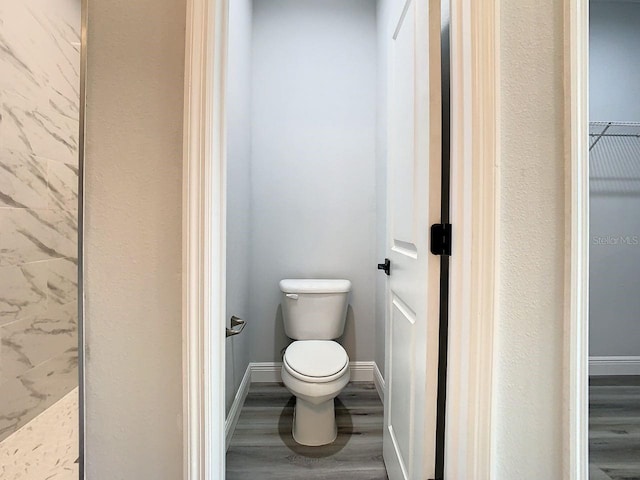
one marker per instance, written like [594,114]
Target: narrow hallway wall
[133,239]
[528,370]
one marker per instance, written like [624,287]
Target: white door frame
[203,246]
[475,214]
[576,340]
[475,218]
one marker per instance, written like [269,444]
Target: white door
[414,166]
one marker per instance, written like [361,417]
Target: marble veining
[26,396]
[62,180]
[28,236]
[39,58]
[23,291]
[30,342]
[45,448]
[23,180]
[39,131]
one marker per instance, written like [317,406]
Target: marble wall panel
[32,182]
[23,180]
[40,60]
[64,232]
[23,291]
[62,281]
[30,125]
[62,179]
[39,131]
[28,236]
[28,343]
[28,395]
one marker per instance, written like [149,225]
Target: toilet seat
[316,361]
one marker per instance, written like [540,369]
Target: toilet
[315,368]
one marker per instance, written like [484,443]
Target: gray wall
[615,210]
[238,189]
[383,34]
[313,161]
[39,93]
[133,229]
[614,61]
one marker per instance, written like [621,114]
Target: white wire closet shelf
[614,158]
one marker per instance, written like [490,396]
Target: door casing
[576,269]
[475,68]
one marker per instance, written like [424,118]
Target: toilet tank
[314,309]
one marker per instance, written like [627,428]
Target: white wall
[614,96]
[527,422]
[238,189]
[313,161]
[133,228]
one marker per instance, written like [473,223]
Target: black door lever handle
[386,266]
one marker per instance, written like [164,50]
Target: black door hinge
[441,239]
[386,266]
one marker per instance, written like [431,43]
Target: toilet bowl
[315,371]
[315,368]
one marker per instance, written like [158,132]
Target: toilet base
[314,425]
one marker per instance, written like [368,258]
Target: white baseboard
[619,365]
[234,414]
[378,381]
[267,372]
[362,371]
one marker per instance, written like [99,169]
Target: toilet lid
[316,358]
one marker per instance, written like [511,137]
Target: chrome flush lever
[237,325]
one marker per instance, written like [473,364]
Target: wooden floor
[614,428]
[262,446]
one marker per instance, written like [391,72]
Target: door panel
[402,136]
[401,400]
[413,165]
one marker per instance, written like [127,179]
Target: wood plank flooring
[614,428]
[262,446]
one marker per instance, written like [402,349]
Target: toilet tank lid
[314,285]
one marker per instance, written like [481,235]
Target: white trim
[236,407]
[614,365]
[475,162]
[378,381]
[362,371]
[265,372]
[576,345]
[203,247]
[269,372]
